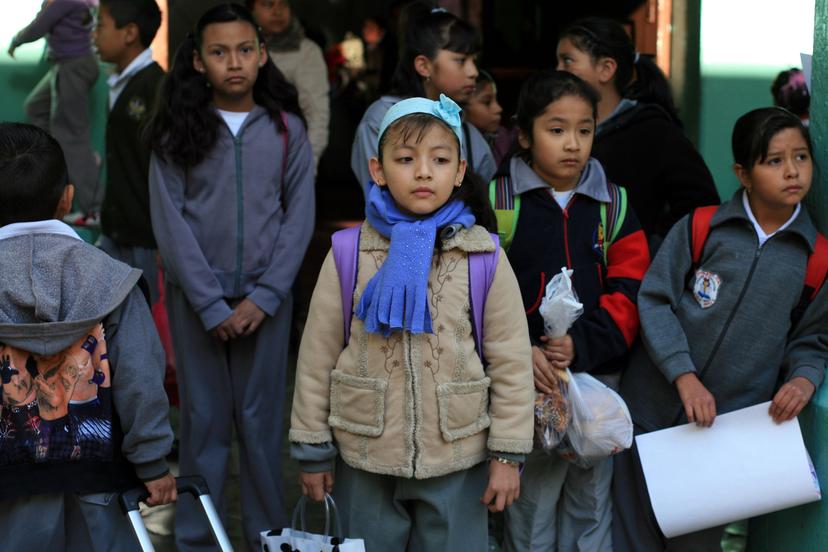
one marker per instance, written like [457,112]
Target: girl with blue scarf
[424,435]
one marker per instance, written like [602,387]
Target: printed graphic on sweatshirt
[58,407]
[706,288]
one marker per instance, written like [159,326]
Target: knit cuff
[150,471]
[811,373]
[214,314]
[266,299]
[677,364]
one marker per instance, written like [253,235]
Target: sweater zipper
[566,230]
[239,216]
[413,403]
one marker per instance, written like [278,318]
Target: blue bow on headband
[444,109]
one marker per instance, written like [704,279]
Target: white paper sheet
[743,466]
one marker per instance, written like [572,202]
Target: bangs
[460,37]
[412,129]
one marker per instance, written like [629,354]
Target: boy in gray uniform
[83,414]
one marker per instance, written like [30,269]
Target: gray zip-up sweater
[67,26]
[741,344]
[482,160]
[55,287]
[220,227]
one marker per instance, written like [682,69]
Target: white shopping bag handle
[299,515]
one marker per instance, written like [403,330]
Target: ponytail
[184,127]
[637,77]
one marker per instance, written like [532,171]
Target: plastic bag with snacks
[560,308]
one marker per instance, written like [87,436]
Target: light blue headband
[445,109]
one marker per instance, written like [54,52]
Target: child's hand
[504,486]
[225,331]
[162,491]
[699,404]
[315,485]
[791,399]
[545,378]
[560,351]
[11,51]
[246,317]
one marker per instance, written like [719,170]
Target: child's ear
[64,206]
[423,66]
[523,140]
[606,69]
[262,55]
[377,174]
[132,34]
[198,64]
[743,175]
[461,173]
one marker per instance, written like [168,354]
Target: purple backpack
[482,268]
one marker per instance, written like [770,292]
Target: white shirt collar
[759,232]
[117,81]
[53,226]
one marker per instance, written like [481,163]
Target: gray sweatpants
[65,521]
[59,104]
[562,507]
[239,384]
[414,515]
[142,258]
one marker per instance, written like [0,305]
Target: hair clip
[439,10]
[637,57]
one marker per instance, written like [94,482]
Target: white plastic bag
[560,308]
[600,424]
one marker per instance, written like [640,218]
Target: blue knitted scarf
[396,298]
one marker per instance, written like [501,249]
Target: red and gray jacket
[547,237]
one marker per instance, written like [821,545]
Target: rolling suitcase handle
[194,485]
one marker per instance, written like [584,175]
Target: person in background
[124,32]
[485,113]
[639,140]
[301,62]
[790,91]
[59,103]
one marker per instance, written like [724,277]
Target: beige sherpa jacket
[417,405]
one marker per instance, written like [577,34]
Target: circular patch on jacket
[706,288]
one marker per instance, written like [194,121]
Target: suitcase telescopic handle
[191,484]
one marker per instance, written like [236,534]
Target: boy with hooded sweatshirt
[83,412]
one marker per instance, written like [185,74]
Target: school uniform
[223,236]
[475,148]
[644,151]
[563,506]
[125,214]
[729,322]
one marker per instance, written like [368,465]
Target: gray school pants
[142,258]
[239,384]
[634,528]
[65,521]
[59,104]
[562,507]
[397,514]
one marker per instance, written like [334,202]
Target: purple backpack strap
[345,247]
[482,267]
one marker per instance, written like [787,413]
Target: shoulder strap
[613,215]
[817,269]
[285,140]
[345,247]
[699,230]
[506,206]
[482,267]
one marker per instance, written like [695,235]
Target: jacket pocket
[357,404]
[464,408]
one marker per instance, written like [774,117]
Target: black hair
[790,91]
[145,14]
[183,127]
[33,174]
[546,87]
[483,78]
[472,190]
[637,77]
[755,129]
[427,31]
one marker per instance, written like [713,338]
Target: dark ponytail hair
[790,91]
[427,30]
[541,89]
[184,127]
[472,190]
[637,77]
